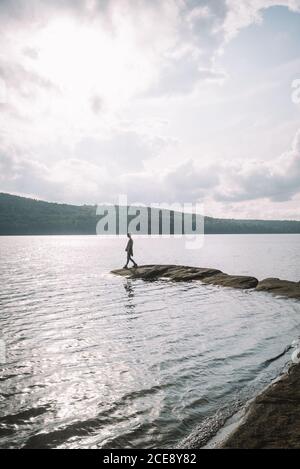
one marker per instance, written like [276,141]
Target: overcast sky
[163,100]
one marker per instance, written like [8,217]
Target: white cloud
[223,189]
[122,149]
[276,181]
[243,13]
[76,72]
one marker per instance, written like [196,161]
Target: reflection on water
[95,360]
[129,288]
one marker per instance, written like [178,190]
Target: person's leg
[134,263]
[128,259]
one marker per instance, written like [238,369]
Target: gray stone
[280,287]
[182,273]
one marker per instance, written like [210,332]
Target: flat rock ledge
[280,287]
[210,276]
[272,419]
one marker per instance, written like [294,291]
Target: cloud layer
[91,93]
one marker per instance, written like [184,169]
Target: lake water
[98,361]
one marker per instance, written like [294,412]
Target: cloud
[74,71]
[65,180]
[190,60]
[3,91]
[24,82]
[205,27]
[241,14]
[96,104]
[278,181]
[155,48]
[190,183]
[75,179]
[167,46]
[122,149]
[94,169]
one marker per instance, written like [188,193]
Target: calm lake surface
[97,361]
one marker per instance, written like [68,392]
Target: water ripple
[99,361]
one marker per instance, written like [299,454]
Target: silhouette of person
[129,250]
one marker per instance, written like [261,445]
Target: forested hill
[23,216]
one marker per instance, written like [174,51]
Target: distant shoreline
[20,216]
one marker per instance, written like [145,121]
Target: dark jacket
[129,247]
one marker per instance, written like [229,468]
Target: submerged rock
[280,287]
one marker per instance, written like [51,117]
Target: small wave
[273,359]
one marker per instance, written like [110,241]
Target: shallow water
[94,360]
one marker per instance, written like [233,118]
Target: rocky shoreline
[211,276]
[272,419]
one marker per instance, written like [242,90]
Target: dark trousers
[129,258]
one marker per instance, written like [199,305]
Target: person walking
[129,250]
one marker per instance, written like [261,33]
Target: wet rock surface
[280,287]
[173,272]
[211,276]
[185,273]
[233,281]
[273,418]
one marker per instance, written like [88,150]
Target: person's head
[128,235]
